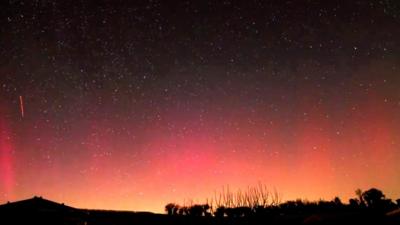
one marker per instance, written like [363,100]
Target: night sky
[124,105]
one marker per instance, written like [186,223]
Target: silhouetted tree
[337,201]
[195,210]
[360,196]
[353,202]
[169,207]
[398,202]
[172,209]
[373,198]
[376,200]
[206,210]
[199,210]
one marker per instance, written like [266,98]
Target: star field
[134,105]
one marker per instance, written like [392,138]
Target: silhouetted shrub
[183,211]
[353,202]
[220,212]
[337,201]
[172,209]
[199,210]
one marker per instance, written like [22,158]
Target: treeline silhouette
[258,202]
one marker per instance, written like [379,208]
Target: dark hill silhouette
[39,210]
[37,204]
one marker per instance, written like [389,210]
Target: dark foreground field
[40,211]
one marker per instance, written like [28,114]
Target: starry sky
[134,104]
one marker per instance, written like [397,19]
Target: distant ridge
[38,210]
[37,204]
